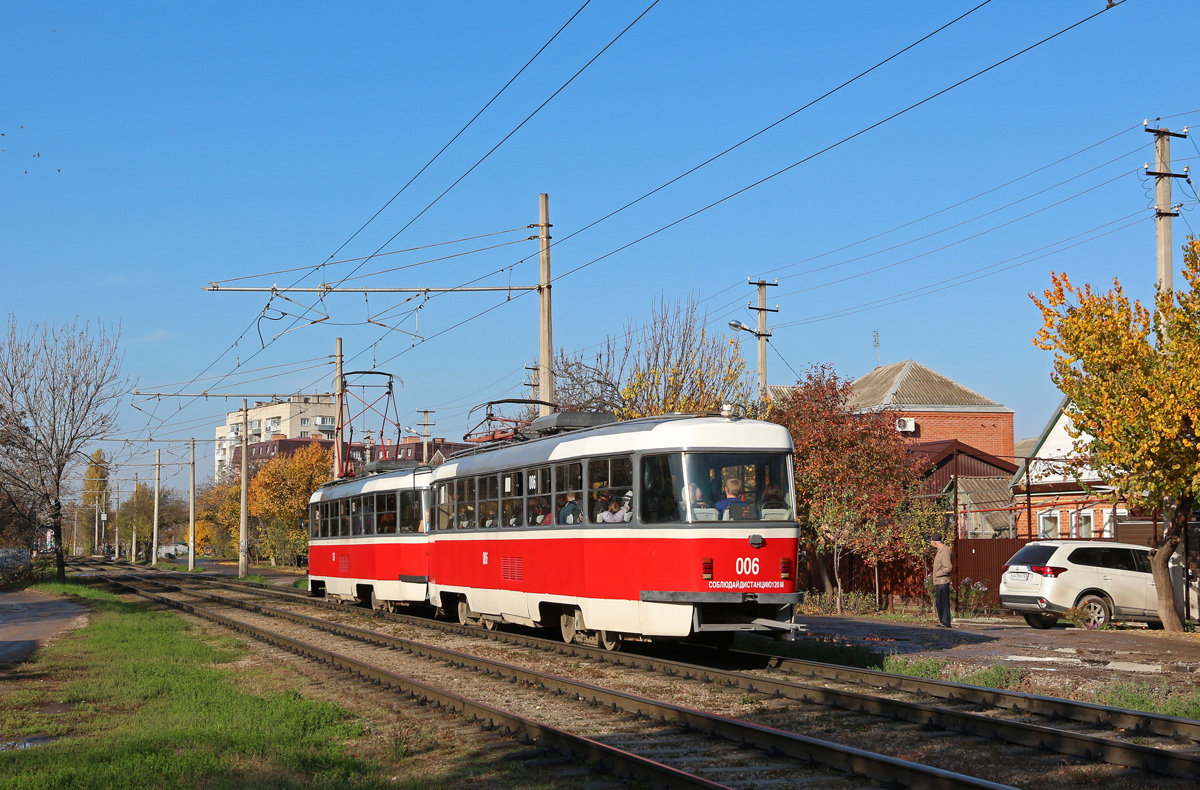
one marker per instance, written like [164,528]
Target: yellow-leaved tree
[218,517]
[279,494]
[669,363]
[1132,377]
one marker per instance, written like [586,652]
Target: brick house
[930,407]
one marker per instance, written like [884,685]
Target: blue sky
[152,148]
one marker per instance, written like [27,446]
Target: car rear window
[1089,555]
[1033,555]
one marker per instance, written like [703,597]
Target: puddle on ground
[57,707]
[28,743]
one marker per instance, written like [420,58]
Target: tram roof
[671,432]
[386,481]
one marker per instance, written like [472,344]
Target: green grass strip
[156,706]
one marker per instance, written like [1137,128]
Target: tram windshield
[716,487]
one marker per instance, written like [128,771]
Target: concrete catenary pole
[338,425]
[192,510]
[1162,211]
[157,480]
[244,522]
[133,524]
[117,522]
[545,319]
[425,423]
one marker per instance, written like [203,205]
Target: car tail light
[1049,571]
[785,568]
[1005,568]
[706,568]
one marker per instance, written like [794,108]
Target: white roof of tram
[666,433]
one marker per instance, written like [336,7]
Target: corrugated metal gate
[982,560]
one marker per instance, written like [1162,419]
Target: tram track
[1119,724]
[1174,759]
[1092,738]
[738,753]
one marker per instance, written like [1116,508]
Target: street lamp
[762,335]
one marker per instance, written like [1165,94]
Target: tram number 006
[747,566]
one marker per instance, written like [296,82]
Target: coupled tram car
[672,527]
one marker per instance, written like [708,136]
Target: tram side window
[314,520]
[445,506]
[610,480]
[568,486]
[385,513]
[356,515]
[464,517]
[512,499]
[537,490]
[662,489]
[329,519]
[344,520]
[368,515]
[489,500]
[410,511]
[323,509]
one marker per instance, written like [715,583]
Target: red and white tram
[664,527]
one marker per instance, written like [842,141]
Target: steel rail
[1136,722]
[611,759]
[879,767]
[1093,747]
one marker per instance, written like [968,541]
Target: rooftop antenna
[875,333]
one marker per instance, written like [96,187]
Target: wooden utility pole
[244,522]
[545,321]
[1163,210]
[154,534]
[192,510]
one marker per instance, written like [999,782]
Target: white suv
[1047,578]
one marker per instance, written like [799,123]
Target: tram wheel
[488,623]
[566,623]
[608,641]
[464,614]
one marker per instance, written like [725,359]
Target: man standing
[943,566]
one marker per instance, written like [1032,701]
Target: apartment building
[297,417]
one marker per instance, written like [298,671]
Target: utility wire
[845,139]
[255,321]
[982,272]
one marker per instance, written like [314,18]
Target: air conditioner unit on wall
[906,424]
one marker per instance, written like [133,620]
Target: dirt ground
[1124,652]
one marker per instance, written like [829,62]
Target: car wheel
[1037,620]
[1095,610]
